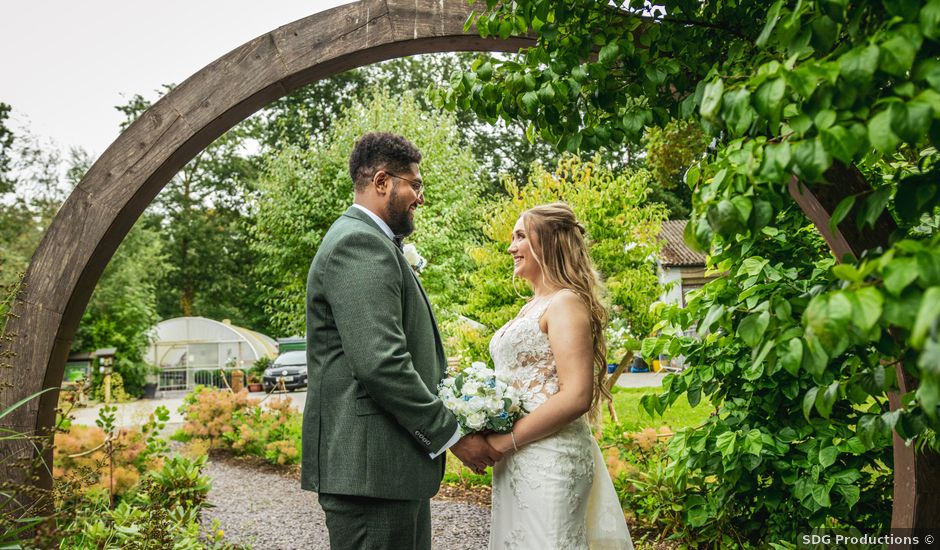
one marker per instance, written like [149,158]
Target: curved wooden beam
[125,179]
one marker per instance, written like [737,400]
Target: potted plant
[256,372]
[151,379]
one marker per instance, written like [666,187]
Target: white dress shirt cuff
[454,439]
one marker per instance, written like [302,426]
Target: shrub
[178,483]
[234,421]
[81,456]
[118,395]
[265,432]
[209,413]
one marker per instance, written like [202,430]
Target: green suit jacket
[374,360]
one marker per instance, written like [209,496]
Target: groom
[374,431]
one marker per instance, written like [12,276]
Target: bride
[551,490]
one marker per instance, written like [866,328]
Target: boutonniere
[416,261]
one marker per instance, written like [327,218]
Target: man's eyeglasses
[416,185]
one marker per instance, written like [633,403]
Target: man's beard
[396,211]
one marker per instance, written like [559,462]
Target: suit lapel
[439,344]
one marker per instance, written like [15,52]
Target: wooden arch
[125,179]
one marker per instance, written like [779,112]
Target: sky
[67,63]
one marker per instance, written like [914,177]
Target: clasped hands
[475,452]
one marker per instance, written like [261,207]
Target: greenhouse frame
[197,350]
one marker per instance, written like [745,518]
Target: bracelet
[513,436]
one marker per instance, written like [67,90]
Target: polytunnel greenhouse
[196,350]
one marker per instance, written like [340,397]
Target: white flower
[470,387]
[476,420]
[415,260]
[494,405]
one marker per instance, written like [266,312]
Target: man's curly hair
[377,151]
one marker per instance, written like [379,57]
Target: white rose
[476,420]
[476,403]
[411,254]
[459,406]
[494,405]
[470,387]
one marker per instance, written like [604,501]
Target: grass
[632,418]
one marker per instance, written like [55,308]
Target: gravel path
[268,511]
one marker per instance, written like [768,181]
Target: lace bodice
[521,353]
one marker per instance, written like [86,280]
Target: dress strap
[543,307]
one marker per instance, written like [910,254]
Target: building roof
[200,330]
[675,252]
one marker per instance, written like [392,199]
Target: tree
[305,116]
[201,218]
[621,243]
[813,89]
[6,146]
[35,192]
[302,191]
[123,308]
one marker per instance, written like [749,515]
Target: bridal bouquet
[481,400]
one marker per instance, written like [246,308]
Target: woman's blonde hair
[558,244]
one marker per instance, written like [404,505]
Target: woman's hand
[500,442]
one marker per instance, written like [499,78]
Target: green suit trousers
[367,523]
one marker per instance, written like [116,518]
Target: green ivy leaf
[873,206]
[752,328]
[899,273]
[773,15]
[753,442]
[724,218]
[828,455]
[859,64]
[793,356]
[744,206]
[737,111]
[609,53]
[928,394]
[530,101]
[715,312]
[880,134]
[870,429]
[930,20]
[808,401]
[649,402]
[712,98]
[763,213]
[815,357]
[821,495]
[841,211]
[839,308]
[725,444]
[928,315]
[768,97]
[850,493]
[696,511]
[812,159]
[911,121]
[776,162]
[867,307]
[842,143]
[898,52]
[826,399]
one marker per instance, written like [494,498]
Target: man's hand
[475,452]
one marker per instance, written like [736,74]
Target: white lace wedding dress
[554,493]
